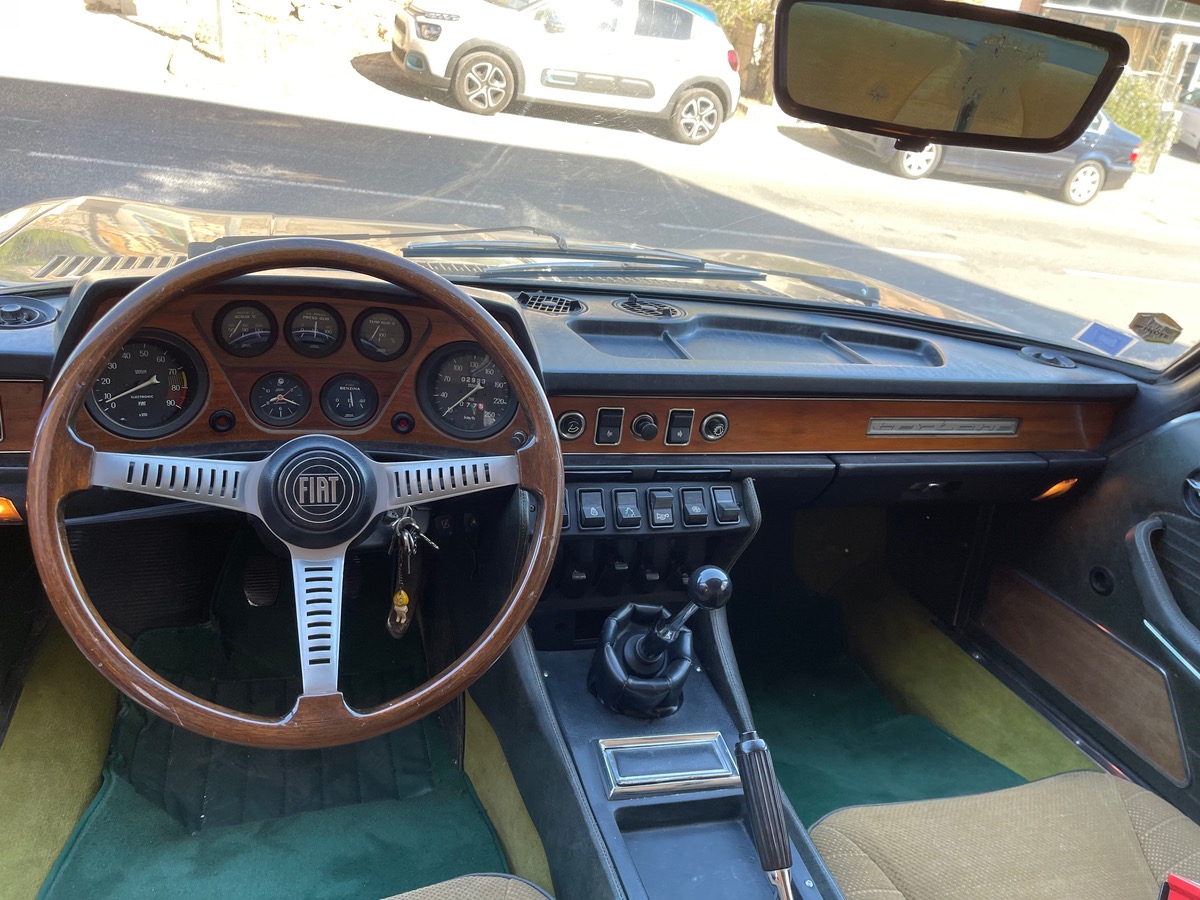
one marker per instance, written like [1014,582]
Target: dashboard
[853,409]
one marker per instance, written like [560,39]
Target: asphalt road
[780,189]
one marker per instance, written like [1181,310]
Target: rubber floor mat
[127,848]
[184,816]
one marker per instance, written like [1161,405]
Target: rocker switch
[679,426]
[608,426]
[725,506]
[662,508]
[626,509]
[591,509]
[695,511]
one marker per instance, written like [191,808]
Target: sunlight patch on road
[1109,276]
[255,179]
[897,251]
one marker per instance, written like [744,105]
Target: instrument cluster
[158,382]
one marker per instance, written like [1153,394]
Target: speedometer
[464,393]
[153,386]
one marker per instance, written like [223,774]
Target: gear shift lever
[644,655]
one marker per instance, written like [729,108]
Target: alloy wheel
[486,85]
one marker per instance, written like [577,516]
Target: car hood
[67,239]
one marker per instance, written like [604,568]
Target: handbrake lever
[764,808]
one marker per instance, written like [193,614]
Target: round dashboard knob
[644,427]
[571,425]
[714,427]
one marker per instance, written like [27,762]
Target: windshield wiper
[195,248]
[604,268]
[595,260]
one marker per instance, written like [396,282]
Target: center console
[632,651]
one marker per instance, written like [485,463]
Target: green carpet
[127,847]
[183,816]
[835,738]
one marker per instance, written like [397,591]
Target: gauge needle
[153,379]
[477,387]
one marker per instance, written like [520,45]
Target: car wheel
[1083,183]
[697,116]
[916,163]
[483,84]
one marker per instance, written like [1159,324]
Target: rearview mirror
[949,73]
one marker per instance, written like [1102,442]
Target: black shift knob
[709,587]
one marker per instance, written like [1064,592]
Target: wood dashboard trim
[832,425]
[20,409]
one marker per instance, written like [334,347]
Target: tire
[483,84]
[915,164]
[1083,183]
[696,116]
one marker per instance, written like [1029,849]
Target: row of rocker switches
[627,509]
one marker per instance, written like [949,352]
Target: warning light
[8,511]
[1057,490]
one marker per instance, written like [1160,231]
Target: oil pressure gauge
[314,330]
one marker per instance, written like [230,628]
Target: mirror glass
[959,70]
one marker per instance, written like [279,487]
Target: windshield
[646,122]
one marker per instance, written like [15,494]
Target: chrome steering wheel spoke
[423,481]
[213,482]
[317,576]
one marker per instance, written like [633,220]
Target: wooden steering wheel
[274,490]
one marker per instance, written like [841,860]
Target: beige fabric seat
[1084,834]
[477,887]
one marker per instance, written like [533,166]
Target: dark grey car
[1101,159]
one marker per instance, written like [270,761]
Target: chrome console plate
[667,764]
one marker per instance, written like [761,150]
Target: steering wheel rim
[61,464]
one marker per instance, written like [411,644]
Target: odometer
[154,386]
[464,393]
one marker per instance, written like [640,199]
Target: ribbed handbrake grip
[764,808]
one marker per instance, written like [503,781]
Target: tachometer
[464,393]
[154,386]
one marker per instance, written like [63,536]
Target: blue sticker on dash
[1105,339]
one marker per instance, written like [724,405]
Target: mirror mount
[932,71]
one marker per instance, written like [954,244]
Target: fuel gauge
[314,329]
[245,328]
[349,400]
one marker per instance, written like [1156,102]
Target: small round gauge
[349,400]
[464,393]
[280,399]
[245,328]
[314,329]
[381,334]
[154,386]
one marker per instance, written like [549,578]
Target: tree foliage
[1134,104]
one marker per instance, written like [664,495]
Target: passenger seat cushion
[1082,834]
[477,887]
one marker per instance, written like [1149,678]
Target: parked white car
[664,58]
[1189,120]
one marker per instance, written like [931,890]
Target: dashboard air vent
[1047,357]
[549,304]
[651,309]
[24,312]
[63,266]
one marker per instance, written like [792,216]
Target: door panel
[1120,559]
